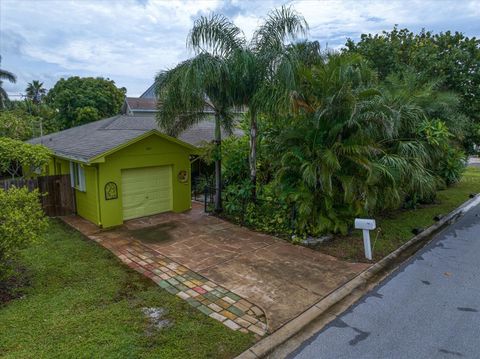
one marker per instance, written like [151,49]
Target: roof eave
[69,157]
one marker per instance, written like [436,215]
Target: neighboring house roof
[138,103]
[144,106]
[150,92]
[86,142]
[147,103]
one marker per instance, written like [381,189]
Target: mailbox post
[366,225]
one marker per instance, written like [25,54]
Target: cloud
[129,41]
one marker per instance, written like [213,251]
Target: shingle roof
[88,141]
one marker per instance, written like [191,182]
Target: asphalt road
[428,308]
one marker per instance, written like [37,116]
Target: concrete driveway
[282,279]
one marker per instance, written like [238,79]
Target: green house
[123,167]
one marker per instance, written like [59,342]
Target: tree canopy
[16,155]
[451,59]
[80,100]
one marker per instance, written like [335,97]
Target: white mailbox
[366,225]
[361,223]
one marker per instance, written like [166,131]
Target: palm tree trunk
[218,165]
[253,153]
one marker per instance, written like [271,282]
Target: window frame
[77,176]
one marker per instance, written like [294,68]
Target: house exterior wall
[58,166]
[87,201]
[149,152]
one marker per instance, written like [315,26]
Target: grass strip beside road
[394,229]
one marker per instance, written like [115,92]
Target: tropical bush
[348,146]
[452,166]
[22,222]
[267,213]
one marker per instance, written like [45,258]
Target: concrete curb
[266,345]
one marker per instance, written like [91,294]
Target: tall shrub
[22,222]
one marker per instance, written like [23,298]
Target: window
[77,176]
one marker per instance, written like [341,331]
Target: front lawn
[82,302]
[396,228]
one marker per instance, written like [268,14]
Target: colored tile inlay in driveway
[211,299]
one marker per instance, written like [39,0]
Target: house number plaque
[111,191]
[182,176]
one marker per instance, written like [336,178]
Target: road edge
[289,329]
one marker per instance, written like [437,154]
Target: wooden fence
[58,197]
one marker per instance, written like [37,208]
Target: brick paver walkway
[210,298]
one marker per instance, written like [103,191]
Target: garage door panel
[146,191]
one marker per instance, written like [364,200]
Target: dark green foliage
[452,59]
[267,214]
[81,100]
[452,165]
[235,160]
[348,146]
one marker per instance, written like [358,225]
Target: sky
[129,41]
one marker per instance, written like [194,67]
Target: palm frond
[7,75]
[215,34]
[280,25]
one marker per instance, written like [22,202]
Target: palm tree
[5,75]
[354,147]
[35,91]
[327,166]
[255,64]
[185,92]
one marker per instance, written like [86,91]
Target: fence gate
[58,197]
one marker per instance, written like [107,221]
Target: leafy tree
[35,91]
[450,58]
[87,114]
[5,75]
[16,124]
[22,222]
[23,120]
[262,60]
[16,156]
[81,100]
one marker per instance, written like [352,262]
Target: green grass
[396,228]
[83,303]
